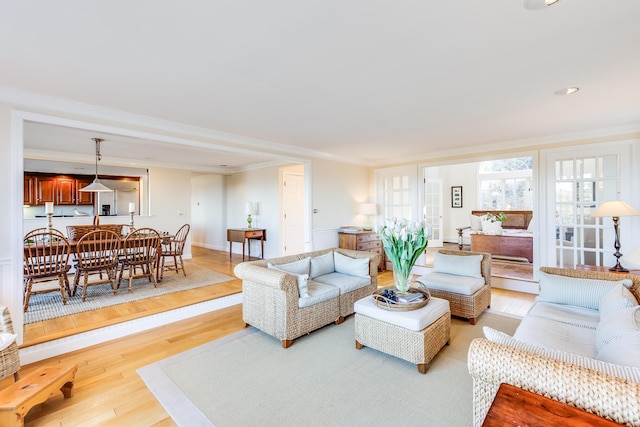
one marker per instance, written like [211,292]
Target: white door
[578,181]
[292,213]
[432,210]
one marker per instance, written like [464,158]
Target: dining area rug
[49,305]
[248,379]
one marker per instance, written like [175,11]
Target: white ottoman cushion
[464,285]
[414,320]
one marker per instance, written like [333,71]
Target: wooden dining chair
[173,248]
[46,261]
[140,249]
[97,253]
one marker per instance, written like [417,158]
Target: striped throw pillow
[575,291]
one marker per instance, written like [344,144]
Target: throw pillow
[6,340]
[530,226]
[296,267]
[300,269]
[617,298]
[574,291]
[460,265]
[321,265]
[619,337]
[301,279]
[358,267]
[476,222]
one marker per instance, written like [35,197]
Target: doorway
[292,210]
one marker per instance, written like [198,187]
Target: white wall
[337,191]
[208,211]
[261,187]
[465,175]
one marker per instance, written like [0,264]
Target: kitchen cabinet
[65,191]
[45,189]
[62,190]
[363,241]
[29,197]
[84,197]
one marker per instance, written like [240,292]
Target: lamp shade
[615,208]
[96,186]
[251,208]
[368,209]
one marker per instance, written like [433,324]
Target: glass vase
[402,279]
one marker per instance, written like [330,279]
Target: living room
[305,105]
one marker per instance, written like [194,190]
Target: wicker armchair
[468,306]
[9,358]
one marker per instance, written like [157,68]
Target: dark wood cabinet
[29,197]
[363,241]
[84,197]
[65,191]
[62,190]
[45,189]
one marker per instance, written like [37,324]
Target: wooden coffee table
[514,406]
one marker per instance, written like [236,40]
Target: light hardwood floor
[109,392]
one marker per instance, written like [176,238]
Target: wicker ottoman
[415,336]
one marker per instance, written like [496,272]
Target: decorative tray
[391,299]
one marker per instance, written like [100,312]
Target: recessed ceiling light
[538,4]
[567,91]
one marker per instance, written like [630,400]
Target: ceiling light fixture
[538,4]
[96,186]
[567,91]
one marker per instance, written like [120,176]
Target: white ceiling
[370,80]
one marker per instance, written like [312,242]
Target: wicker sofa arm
[491,364]
[262,276]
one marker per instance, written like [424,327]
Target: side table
[514,406]
[242,235]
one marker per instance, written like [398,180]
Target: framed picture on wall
[456,197]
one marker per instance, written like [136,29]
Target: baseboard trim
[514,285]
[60,346]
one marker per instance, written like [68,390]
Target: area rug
[248,379]
[49,305]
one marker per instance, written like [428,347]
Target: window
[505,184]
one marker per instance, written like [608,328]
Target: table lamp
[251,210]
[615,209]
[368,209]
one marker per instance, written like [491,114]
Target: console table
[243,235]
[514,406]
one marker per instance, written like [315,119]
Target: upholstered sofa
[290,296]
[579,344]
[464,279]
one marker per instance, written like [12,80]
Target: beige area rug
[248,379]
[49,305]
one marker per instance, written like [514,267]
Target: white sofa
[579,344]
[290,296]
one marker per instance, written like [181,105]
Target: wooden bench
[35,388]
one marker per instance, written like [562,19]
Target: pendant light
[96,186]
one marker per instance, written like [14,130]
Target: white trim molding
[97,336]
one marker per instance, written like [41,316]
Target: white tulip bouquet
[403,241]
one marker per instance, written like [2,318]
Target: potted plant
[403,242]
[492,223]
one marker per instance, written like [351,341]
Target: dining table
[165,239]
